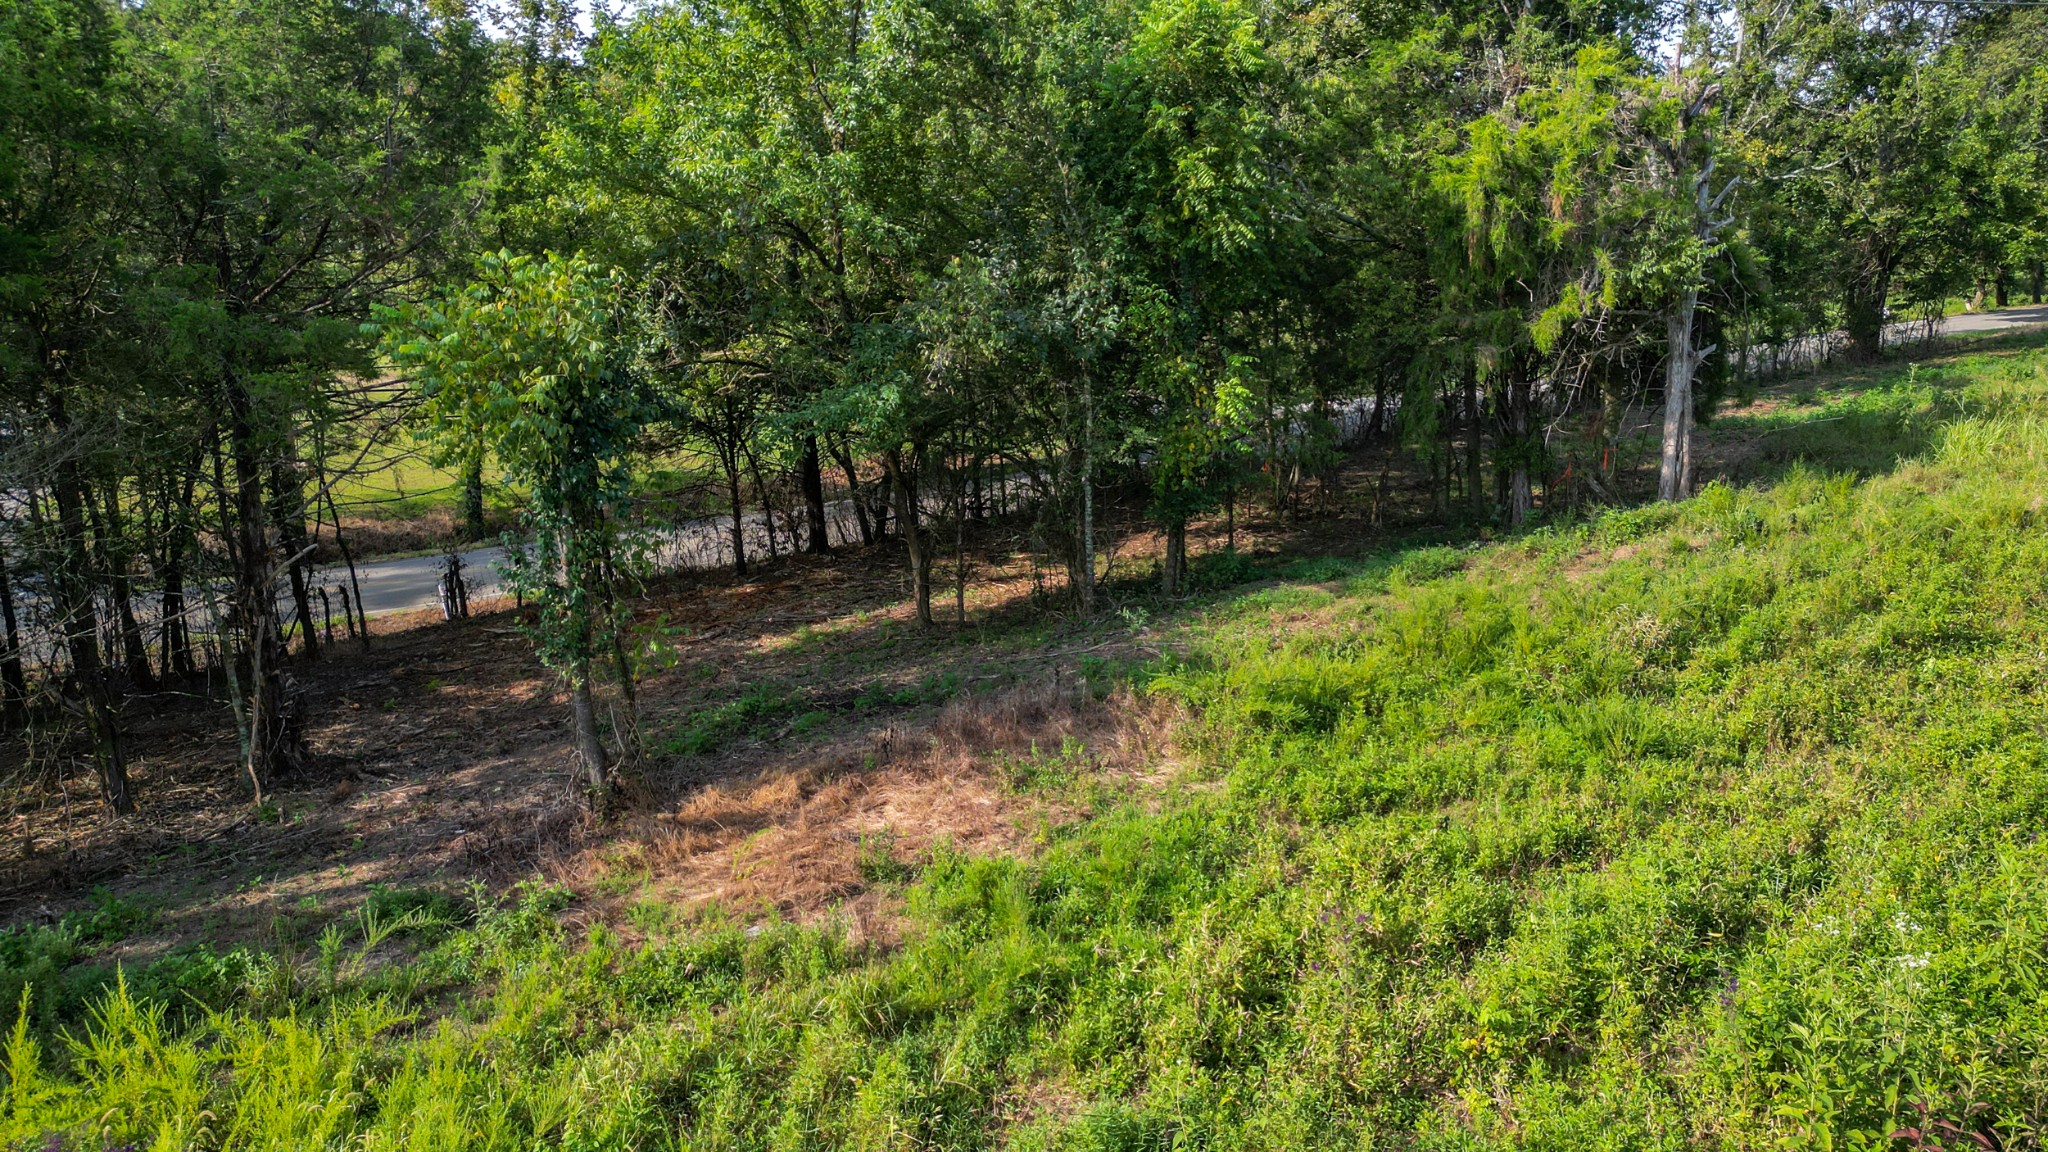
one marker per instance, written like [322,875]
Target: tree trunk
[1863,313]
[1173,567]
[767,506]
[177,630]
[79,622]
[912,527]
[177,634]
[2002,286]
[1521,499]
[2034,281]
[1674,480]
[853,493]
[959,547]
[589,742]
[1443,465]
[1475,434]
[13,683]
[113,555]
[360,622]
[276,743]
[474,524]
[1613,411]
[1087,597]
[288,513]
[811,475]
[879,511]
[582,707]
[730,460]
[625,673]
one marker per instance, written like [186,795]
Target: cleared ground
[1665,827]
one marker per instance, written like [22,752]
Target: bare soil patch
[440,758]
[804,738]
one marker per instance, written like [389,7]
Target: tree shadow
[1862,420]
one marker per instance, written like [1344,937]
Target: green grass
[754,713]
[1709,826]
[396,482]
[2017,297]
[395,479]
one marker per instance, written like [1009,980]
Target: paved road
[405,585]
[402,585]
[412,583]
[415,582]
[1994,321]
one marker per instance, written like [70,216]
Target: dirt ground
[804,740]
[800,731]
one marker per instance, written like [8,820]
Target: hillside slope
[1711,825]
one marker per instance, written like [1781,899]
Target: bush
[1727,840]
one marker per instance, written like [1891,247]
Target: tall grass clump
[1707,826]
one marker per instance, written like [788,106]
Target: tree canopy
[916,256]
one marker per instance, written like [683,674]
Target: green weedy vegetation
[1714,824]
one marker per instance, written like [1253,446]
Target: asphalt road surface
[1994,321]
[414,582]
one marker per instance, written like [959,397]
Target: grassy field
[398,481]
[1715,825]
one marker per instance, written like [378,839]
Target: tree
[63,135]
[1688,214]
[1862,148]
[309,160]
[1532,213]
[771,166]
[1184,149]
[531,358]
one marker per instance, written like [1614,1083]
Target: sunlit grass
[395,479]
[1711,825]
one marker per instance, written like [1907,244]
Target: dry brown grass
[441,757]
[788,841]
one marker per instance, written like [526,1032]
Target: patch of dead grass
[788,841]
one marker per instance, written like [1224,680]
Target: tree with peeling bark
[1681,132]
[532,357]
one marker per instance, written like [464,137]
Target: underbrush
[1716,825]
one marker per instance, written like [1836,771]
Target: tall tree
[313,158]
[64,133]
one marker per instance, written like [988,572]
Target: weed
[744,718]
[110,919]
[810,722]
[1700,826]
[878,861]
[1225,569]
